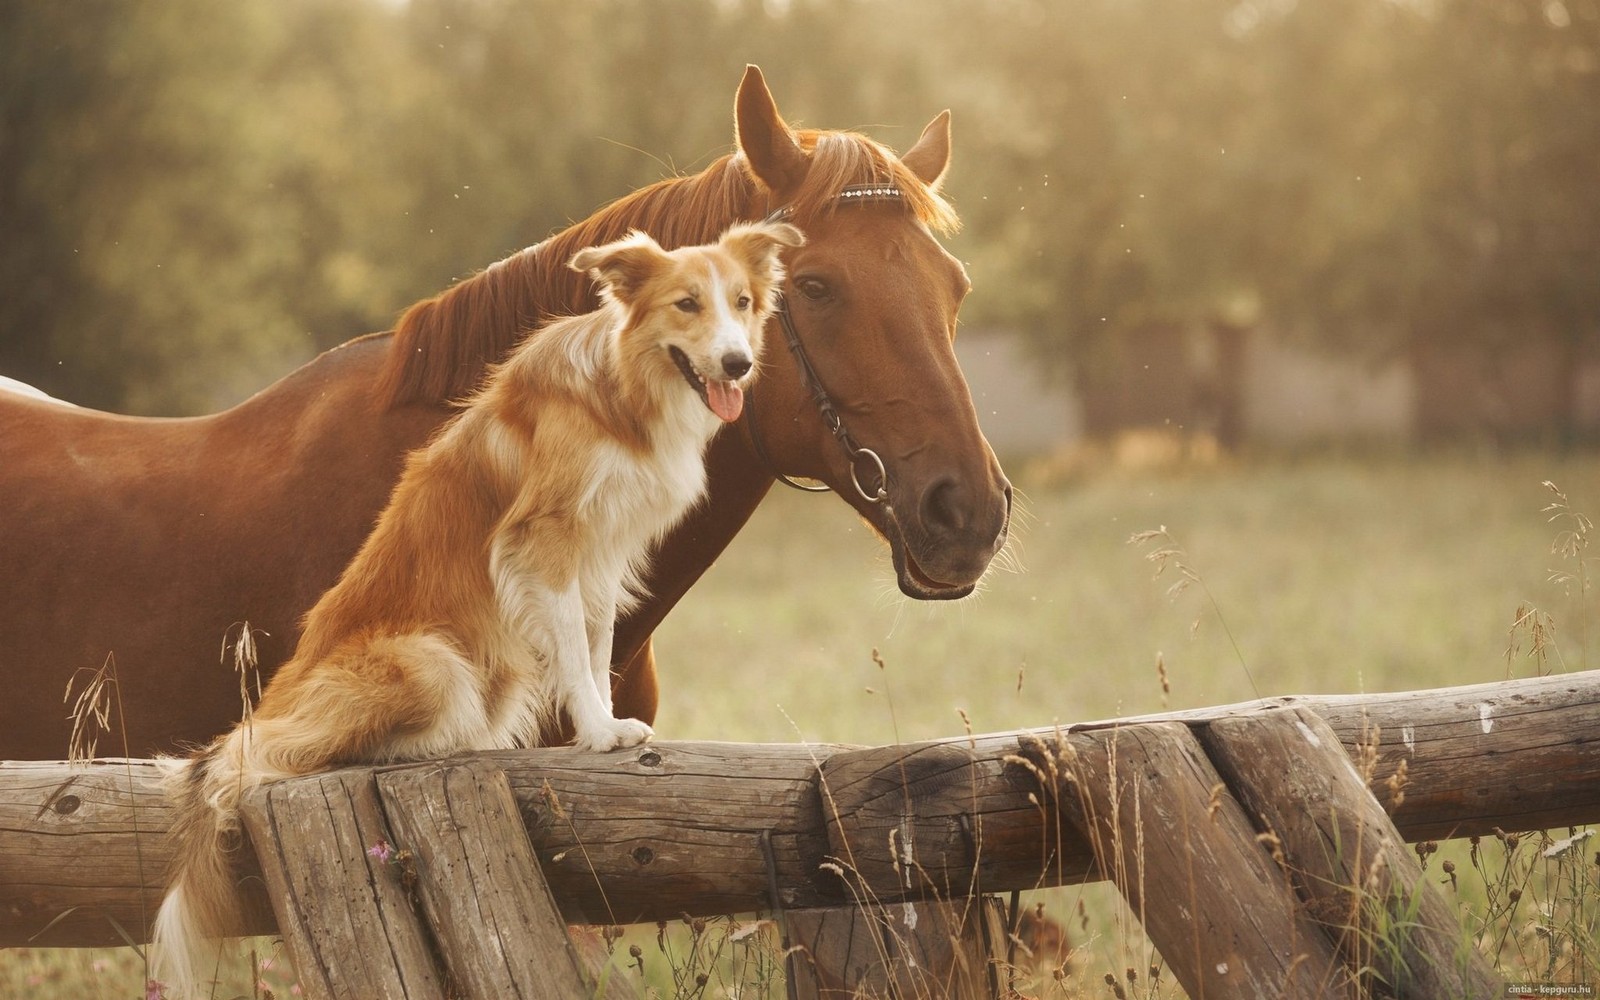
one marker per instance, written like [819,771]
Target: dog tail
[202,902]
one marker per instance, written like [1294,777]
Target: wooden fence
[1173,808]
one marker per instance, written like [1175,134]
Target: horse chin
[918,585]
[915,582]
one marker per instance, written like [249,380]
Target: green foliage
[194,196]
[1371,170]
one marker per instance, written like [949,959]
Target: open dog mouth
[722,397]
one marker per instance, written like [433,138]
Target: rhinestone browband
[856,193]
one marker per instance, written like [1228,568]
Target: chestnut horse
[151,540]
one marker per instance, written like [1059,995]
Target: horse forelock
[839,160]
[443,345]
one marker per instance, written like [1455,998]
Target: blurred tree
[195,196]
[1508,216]
[136,169]
[1369,174]
[48,70]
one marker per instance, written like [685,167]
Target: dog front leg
[601,620]
[569,646]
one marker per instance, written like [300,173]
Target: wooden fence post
[341,905]
[496,926]
[1181,851]
[1347,858]
[932,949]
[906,822]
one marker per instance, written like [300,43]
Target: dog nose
[735,365]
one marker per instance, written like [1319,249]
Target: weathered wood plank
[941,820]
[669,828]
[493,919]
[82,849]
[1348,861]
[1517,754]
[343,908]
[1512,755]
[641,837]
[934,949]
[1185,856]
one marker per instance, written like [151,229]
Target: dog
[482,604]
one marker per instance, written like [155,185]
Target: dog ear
[622,267]
[757,245]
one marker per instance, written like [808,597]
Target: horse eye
[687,304]
[742,303]
[813,288]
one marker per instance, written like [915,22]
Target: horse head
[863,391]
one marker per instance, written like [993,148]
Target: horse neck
[443,344]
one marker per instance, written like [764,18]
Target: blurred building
[1253,388]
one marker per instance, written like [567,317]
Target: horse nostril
[735,365]
[942,506]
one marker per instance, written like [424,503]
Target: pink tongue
[726,400]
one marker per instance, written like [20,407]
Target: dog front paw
[614,734]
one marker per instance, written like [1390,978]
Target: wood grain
[1359,880]
[343,908]
[671,828]
[496,926]
[1185,857]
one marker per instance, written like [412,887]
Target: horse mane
[442,345]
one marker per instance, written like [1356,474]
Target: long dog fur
[483,602]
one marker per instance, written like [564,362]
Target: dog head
[698,310]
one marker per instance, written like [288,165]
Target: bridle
[856,455]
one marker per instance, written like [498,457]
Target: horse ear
[622,267]
[930,157]
[765,139]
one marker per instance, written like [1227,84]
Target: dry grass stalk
[239,646]
[1165,552]
[91,710]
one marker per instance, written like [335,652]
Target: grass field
[1332,575]
[1318,575]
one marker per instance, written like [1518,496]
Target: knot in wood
[650,758]
[66,805]
[643,855]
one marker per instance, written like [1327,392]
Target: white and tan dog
[483,602]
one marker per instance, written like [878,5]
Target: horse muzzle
[944,546]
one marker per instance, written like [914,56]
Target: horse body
[151,540]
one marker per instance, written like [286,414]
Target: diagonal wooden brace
[496,926]
[1183,854]
[1349,863]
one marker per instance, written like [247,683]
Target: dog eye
[742,303]
[687,304]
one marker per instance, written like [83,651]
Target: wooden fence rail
[709,828]
[1186,802]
